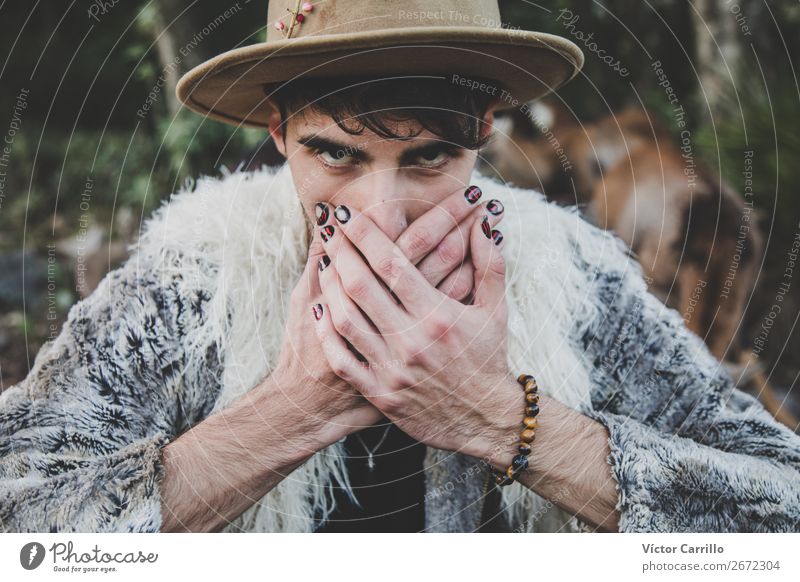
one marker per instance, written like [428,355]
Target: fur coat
[194,319]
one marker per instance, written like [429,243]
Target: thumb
[490,265]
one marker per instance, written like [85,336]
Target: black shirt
[392,494]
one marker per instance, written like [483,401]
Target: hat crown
[463,40]
[330,17]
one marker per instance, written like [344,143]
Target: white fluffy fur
[242,238]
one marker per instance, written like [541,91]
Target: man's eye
[334,159]
[433,159]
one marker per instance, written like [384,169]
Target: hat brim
[526,64]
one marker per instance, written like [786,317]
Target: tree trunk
[717,49]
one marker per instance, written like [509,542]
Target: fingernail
[342,213]
[495,207]
[472,194]
[497,236]
[317,309]
[487,230]
[327,232]
[321,211]
[324,261]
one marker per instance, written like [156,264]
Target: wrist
[518,429]
[295,418]
[496,443]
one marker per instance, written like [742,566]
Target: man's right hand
[437,242]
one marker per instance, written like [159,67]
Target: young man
[230,375]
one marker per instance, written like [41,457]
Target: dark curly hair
[448,110]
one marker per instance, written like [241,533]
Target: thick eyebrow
[408,155]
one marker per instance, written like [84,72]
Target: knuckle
[315,249]
[402,284]
[436,326]
[415,358]
[390,404]
[449,253]
[357,288]
[344,325]
[459,288]
[412,354]
[340,368]
[357,231]
[420,241]
[389,268]
[402,381]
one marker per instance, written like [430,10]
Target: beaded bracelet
[520,462]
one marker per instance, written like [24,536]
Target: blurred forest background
[95,138]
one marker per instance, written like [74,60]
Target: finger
[315,254]
[348,319]
[458,285]
[341,360]
[486,246]
[316,249]
[424,234]
[389,263]
[307,287]
[453,249]
[360,283]
[322,213]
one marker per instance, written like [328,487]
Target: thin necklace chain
[370,453]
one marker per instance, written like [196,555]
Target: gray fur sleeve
[81,435]
[689,451]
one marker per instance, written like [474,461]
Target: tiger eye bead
[530,422]
[520,461]
[501,479]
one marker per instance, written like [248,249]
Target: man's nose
[387,203]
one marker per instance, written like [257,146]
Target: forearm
[226,463]
[567,464]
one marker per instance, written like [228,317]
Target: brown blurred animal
[696,239]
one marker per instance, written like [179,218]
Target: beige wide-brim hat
[459,40]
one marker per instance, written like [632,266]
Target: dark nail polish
[342,213]
[472,194]
[487,230]
[317,311]
[324,261]
[322,213]
[497,236]
[327,232]
[495,207]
